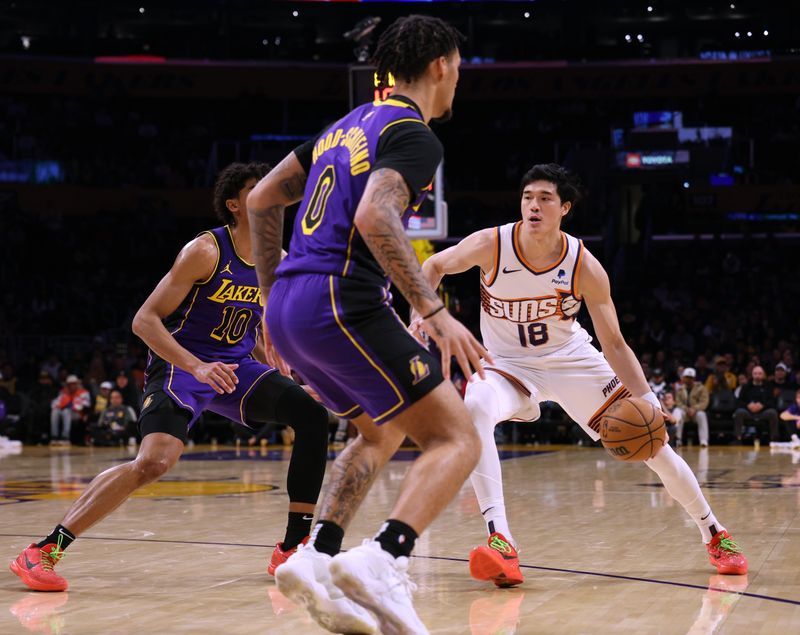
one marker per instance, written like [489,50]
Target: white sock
[681,483]
[482,400]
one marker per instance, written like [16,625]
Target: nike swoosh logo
[308,518]
[507,270]
[28,563]
[706,516]
[485,511]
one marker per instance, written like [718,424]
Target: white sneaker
[304,579]
[795,442]
[378,581]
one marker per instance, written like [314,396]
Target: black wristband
[432,313]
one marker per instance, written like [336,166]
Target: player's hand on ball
[455,340]
[668,418]
[221,377]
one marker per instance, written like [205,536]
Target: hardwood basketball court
[604,549]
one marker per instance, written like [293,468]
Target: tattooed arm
[378,220]
[266,203]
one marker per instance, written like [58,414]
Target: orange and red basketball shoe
[497,562]
[726,555]
[35,566]
[279,556]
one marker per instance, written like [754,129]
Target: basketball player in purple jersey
[534,278]
[202,323]
[329,316]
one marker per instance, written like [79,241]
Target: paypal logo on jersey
[561,279]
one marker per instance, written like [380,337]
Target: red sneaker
[35,567]
[725,555]
[497,562]
[279,556]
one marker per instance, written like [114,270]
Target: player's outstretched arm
[594,286]
[195,263]
[378,220]
[476,250]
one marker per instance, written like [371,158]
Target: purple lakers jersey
[220,317]
[325,239]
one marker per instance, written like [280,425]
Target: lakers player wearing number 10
[534,280]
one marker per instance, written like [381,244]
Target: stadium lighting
[766,32]
[628,37]
[749,34]
[26,41]
[141,10]
[295,13]
[737,34]
[640,37]
[526,15]
[649,9]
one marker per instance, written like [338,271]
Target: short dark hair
[230,182]
[411,43]
[567,183]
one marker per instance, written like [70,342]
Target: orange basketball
[632,430]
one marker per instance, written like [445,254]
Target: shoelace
[500,545]
[727,544]
[51,558]
[404,581]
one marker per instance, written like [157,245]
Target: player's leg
[164,431]
[583,382]
[490,401]
[681,483]
[277,398]
[306,577]
[373,573]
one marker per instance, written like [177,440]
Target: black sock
[397,538]
[298,527]
[327,537]
[60,533]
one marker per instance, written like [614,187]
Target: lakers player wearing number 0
[534,279]
[202,325]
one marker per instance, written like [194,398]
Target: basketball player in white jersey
[534,278]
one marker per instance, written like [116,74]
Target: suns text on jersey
[563,306]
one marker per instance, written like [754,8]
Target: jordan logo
[227,268]
[419,370]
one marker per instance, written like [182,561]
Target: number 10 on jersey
[535,333]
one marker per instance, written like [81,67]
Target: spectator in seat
[116,422]
[668,404]
[742,381]
[130,395]
[658,384]
[756,404]
[101,400]
[71,404]
[722,378]
[782,380]
[692,400]
[792,414]
[37,414]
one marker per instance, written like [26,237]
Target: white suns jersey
[526,311]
